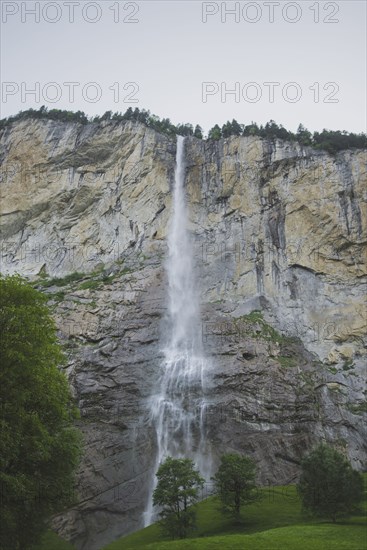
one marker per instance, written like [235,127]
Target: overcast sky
[288,61]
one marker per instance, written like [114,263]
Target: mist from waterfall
[178,408]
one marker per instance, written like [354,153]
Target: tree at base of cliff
[235,483]
[176,492]
[328,486]
[39,447]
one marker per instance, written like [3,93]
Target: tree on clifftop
[198,132]
[215,133]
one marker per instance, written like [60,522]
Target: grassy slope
[275,523]
[51,541]
[296,537]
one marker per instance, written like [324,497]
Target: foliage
[91,284]
[337,141]
[163,126]
[304,136]
[287,362]
[198,132]
[62,281]
[44,113]
[39,447]
[232,129]
[328,486]
[235,483]
[358,408]
[177,490]
[262,329]
[275,522]
[327,140]
[59,296]
[297,537]
[215,133]
[50,541]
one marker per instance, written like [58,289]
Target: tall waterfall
[178,408]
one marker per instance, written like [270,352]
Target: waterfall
[178,407]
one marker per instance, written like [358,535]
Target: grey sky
[169,52]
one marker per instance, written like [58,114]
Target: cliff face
[278,232]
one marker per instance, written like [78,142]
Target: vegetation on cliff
[327,140]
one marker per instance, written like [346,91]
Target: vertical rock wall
[279,233]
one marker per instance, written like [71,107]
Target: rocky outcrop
[278,232]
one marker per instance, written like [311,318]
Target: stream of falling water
[178,407]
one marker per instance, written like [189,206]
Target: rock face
[278,232]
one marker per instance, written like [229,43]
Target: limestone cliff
[279,232]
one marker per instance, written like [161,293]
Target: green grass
[95,280]
[51,541]
[348,364]
[61,281]
[59,296]
[333,370]
[287,362]
[94,284]
[358,408]
[90,285]
[305,537]
[275,522]
[254,316]
[267,332]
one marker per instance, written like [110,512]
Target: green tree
[198,132]
[136,113]
[128,115]
[303,136]
[235,483]
[176,492]
[328,486]
[231,129]
[143,116]
[106,116]
[185,129]
[251,130]
[226,129]
[118,116]
[39,447]
[271,130]
[237,129]
[215,133]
